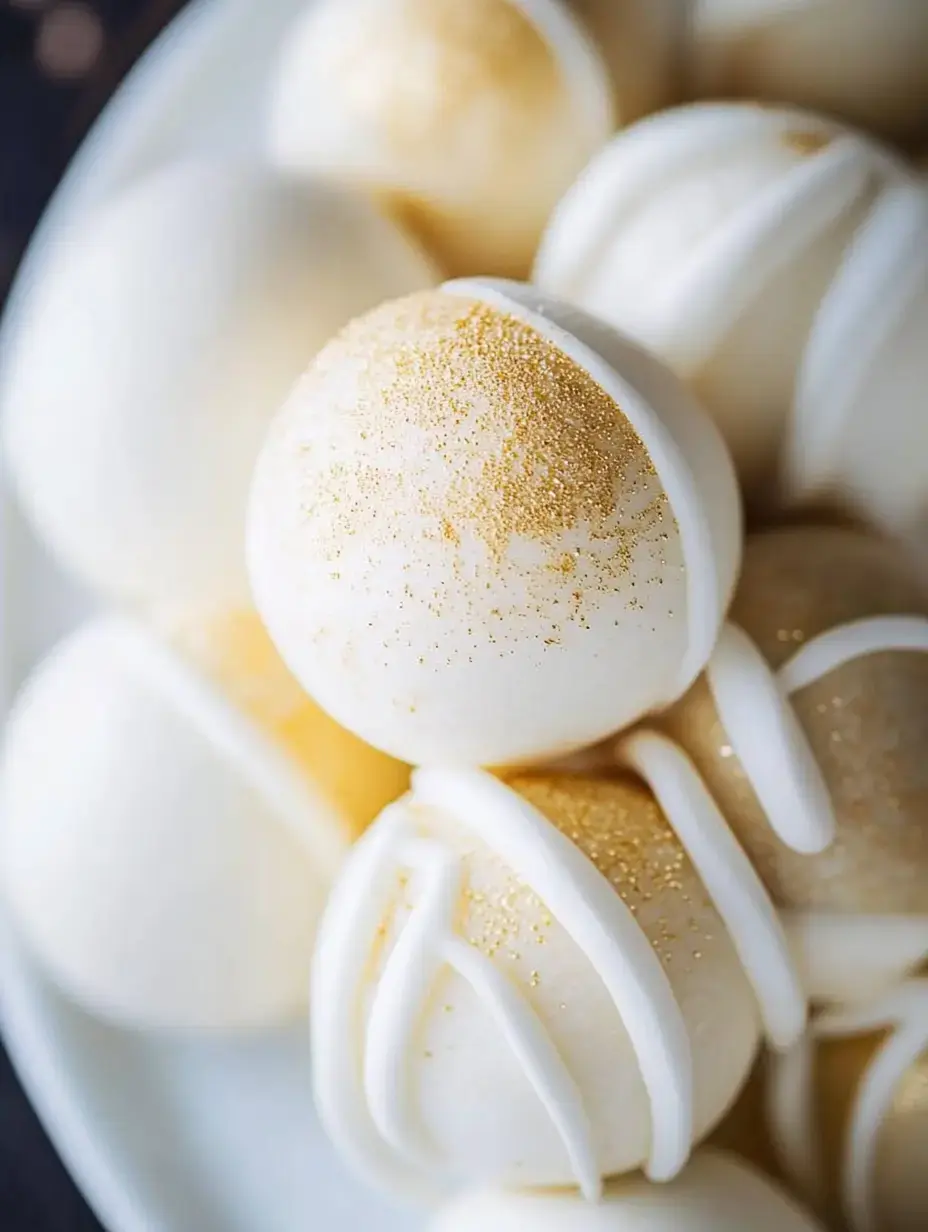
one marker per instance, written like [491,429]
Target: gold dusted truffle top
[521,441]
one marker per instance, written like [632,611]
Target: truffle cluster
[531,421]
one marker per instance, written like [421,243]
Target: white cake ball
[468,119]
[811,722]
[147,361]
[848,1112]
[485,528]
[866,60]
[528,982]
[171,821]
[716,1193]
[779,262]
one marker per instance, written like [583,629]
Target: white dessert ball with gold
[778,261]
[812,720]
[534,981]
[848,1112]
[716,1193]
[865,60]
[143,365]
[172,816]
[468,120]
[487,529]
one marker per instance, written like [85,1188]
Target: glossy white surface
[165,1135]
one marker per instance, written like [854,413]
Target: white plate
[164,1135]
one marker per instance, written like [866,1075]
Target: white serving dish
[164,1135]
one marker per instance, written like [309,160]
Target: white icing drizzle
[704,600]
[725,274]
[366,1106]
[729,878]
[769,742]
[253,755]
[885,266]
[790,1103]
[753,704]
[847,643]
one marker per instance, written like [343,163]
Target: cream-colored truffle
[848,1112]
[477,513]
[142,367]
[815,707]
[779,263]
[526,982]
[172,815]
[716,1193]
[865,60]
[468,120]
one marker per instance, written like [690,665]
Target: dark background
[59,62]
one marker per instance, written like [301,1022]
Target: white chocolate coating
[518,503]
[468,120]
[866,60]
[880,1168]
[716,1193]
[779,263]
[165,856]
[148,360]
[487,1006]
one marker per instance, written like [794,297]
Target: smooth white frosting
[904,1013]
[365,1111]
[686,483]
[729,878]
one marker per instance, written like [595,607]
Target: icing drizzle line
[790,1096]
[729,878]
[753,704]
[367,1108]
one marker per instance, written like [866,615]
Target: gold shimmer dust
[620,828]
[526,443]
[805,141]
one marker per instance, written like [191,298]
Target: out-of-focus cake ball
[779,263]
[866,60]
[526,982]
[848,1111]
[643,43]
[171,819]
[144,365]
[469,120]
[815,703]
[487,529]
[716,1193]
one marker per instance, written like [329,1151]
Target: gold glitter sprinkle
[805,141]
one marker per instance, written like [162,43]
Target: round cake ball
[779,263]
[812,718]
[147,360]
[171,819]
[469,120]
[716,1193]
[524,982]
[848,1112]
[866,60]
[487,529]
